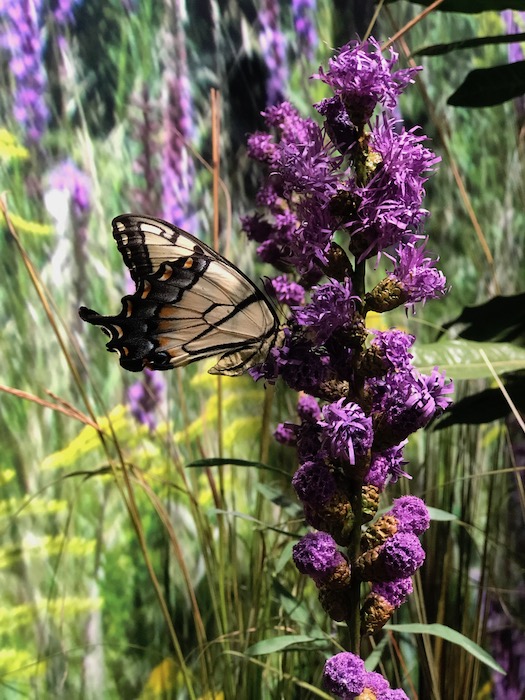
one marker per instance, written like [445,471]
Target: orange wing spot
[146,290]
[163,342]
[129,308]
[164,326]
[117,330]
[125,351]
[167,312]
[188,264]
[168,271]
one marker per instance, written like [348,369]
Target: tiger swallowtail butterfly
[190,303]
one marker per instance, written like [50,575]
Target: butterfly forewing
[190,303]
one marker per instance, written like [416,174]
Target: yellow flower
[11,148]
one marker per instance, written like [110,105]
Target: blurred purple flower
[69,178]
[23,38]
[273,48]
[177,167]
[514,24]
[145,396]
[63,11]
[303,12]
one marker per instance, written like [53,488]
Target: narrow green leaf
[441,515]
[224,461]
[485,87]
[273,644]
[450,635]
[462,359]
[442,49]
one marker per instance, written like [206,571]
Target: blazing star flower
[346,430]
[399,557]
[314,483]
[344,675]
[386,467]
[389,204]
[335,192]
[363,78]
[411,515]
[308,408]
[317,556]
[287,291]
[332,308]
[375,683]
[406,402]
[381,603]
[286,434]
[416,275]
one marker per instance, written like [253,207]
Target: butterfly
[190,303]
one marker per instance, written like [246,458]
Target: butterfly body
[190,303]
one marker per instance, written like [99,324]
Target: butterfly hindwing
[190,303]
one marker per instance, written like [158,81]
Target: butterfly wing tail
[133,355]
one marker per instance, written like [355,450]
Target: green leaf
[441,515]
[224,461]
[462,359]
[452,636]
[273,644]
[474,6]
[485,87]
[442,49]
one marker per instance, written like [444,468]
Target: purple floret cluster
[339,194]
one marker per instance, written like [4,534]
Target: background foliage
[141,557]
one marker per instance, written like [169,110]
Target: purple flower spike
[344,675]
[411,514]
[362,77]
[346,430]
[23,39]
[317,556]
